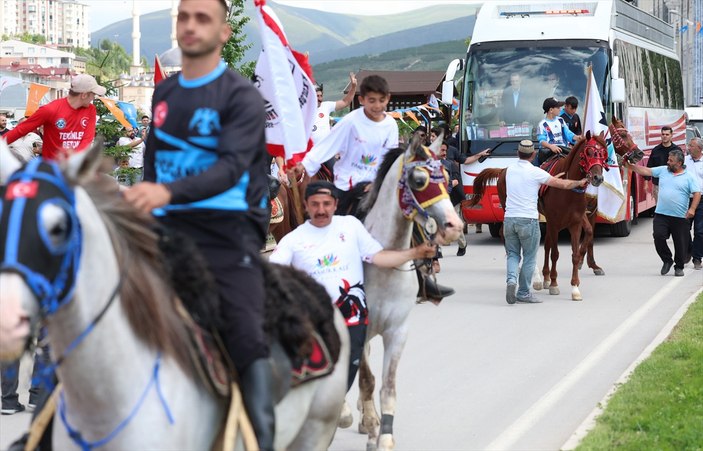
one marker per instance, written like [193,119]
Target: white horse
[119,350]
[411,186]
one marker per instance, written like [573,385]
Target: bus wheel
[623,228]
[494,228]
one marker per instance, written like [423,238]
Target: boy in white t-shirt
[362,138]
[552,131]
[332,249]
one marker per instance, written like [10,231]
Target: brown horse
[626,148]
[561,208]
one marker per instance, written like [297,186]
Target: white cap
[86,83]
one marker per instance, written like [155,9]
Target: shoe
[12,410]
[31,407]
[697,264]
[666,267]
[530,299]
[461,252]
[433,290]
[678,272]
[256,383]
[510,293]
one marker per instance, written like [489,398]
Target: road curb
[590,421]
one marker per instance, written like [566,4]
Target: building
[15,53]
[686,16]
[62,22]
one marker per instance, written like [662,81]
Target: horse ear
[415,143]
[8,162]
[588,135]
[83,166]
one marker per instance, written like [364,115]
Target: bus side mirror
[617,90]
[448,83]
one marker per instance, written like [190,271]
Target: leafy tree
[108,60]
[233,51]
[26,37]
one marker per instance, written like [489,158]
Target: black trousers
[679,230]
[231,249]
[357,338]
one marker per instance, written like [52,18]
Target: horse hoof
[554,291]
[537,286]
[345,417]
[386,442]
[370,446]
[598,272]
[576,294]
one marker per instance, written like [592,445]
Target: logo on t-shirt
[160,113]
[369,160]
[320,115]
[328,261]
[61,124]
[84,122]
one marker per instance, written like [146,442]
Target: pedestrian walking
[660,155]
[694,163]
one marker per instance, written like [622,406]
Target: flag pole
[588,93]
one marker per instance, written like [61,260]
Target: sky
[105,12]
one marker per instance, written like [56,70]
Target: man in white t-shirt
[26,147]
[521,223]
[362,138]
[332,249]
[136,156]
[321,128]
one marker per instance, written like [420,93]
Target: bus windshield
[506,84]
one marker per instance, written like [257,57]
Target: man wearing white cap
[69,123]
[521,223]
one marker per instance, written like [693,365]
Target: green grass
[661,406]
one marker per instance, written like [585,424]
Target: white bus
[546,47]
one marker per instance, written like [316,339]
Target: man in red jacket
[69,123]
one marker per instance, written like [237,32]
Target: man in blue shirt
[672,213]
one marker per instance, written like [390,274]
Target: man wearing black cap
[552,131]
[332,249]
[521,223]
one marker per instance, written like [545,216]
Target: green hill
[335,74]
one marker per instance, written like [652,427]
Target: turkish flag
[158,71]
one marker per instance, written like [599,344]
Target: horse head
[623,143]
[423,194]
[594,157]
[40,243]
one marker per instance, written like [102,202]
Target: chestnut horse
[626,148]
[563,209]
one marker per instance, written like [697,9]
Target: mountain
[325,36]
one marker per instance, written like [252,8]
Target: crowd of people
[200,187]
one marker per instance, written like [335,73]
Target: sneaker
[461,252]
[666,267]
[697,264]
[510,293]
[31,407]
[678,272]
[530,299]
[12,410]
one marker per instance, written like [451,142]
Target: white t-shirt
[321,127]
[361,143]
[24,146]
[522,181]
[333,256]
[136,155]
[695,167]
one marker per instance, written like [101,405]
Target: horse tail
[482,179]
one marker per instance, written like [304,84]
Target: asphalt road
[478,373]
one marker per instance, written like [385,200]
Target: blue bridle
[49,271]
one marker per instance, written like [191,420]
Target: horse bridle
[416,200]
[599,158]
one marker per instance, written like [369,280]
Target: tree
[109,60]
[26,37]
[233,51]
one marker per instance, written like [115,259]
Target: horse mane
[369,200]
[480,182]
[145,294]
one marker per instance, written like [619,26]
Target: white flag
[611,195]
[594,116]
[6,82]
[283,76]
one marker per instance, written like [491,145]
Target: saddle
[550,166]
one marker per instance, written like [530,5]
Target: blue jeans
[521,234]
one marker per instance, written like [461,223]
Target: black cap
[551,102]
[321,187]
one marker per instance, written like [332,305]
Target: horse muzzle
[596,180]
[18,315]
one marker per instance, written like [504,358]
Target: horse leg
[589,227]
[393,344]
[369,422]
[553,238]
[545,267]
[577,252]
